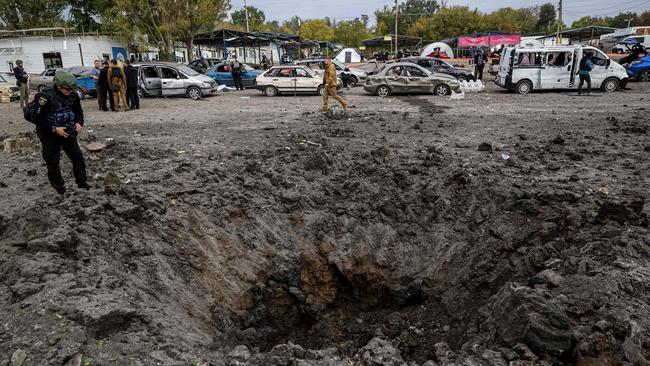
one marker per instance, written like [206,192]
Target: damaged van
[532,67]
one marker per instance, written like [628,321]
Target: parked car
[172,79]
[640,69]
[626,45]
[527,68]
[222,74]
[318,65]
[202,65]
[437,65]
[8,87]
[409,78]
[43,80]
[292,79]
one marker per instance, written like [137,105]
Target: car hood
[203,78]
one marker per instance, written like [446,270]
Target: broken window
[558,59]
[528,59]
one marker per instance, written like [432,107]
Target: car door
[283,79]
[601,65]
[557,70]
[44,79]
[172,83]
[151,80]
[223,75]
[417,80]
[304,81]
[528,66]
[395,79]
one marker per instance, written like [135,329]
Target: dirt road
[247,230]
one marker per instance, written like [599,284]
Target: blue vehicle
[640,69]
[221,73]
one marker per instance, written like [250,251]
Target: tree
[316,29]
[546,18]
[587,21]
[351,32]
[256,18]
[644,18]
[199,16]
[449,22]
[85,15]
[21,14]
[292,26]
[621,20]
[408,14]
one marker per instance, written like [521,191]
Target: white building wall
[31,49]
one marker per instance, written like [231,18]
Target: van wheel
[140,93]
[383,91]
[194,93]
[81,94]
[610,85]
[524,87]
[442,90]
[270,91]
[644,76]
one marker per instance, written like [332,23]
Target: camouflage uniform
[329,83]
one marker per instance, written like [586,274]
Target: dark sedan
[437,65]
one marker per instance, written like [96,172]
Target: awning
[583,34]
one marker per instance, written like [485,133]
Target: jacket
[103,77]
[585,66]
[131,76]
[329,76]
[21,75]
[53,109]
[115,75]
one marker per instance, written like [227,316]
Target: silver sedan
[408,78]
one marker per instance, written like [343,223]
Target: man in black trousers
[131,74]
[102,82]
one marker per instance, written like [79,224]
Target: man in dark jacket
[21,81]
[105,89]
[479,62]
[236,70]
[131,85]
[586,65]
[59,118]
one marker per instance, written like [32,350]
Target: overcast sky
[348,9]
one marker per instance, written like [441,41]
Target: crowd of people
[116,83]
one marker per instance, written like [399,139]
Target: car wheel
[644,76]
[81,94]
[140,93]
[320,91]
[194,93]
[354,82]
[270,91]
[610,85]
[442,89]
[41,88]
[383,91]
[462,78]
[524,87]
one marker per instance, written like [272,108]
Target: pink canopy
[489,40]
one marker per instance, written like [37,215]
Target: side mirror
[608,63]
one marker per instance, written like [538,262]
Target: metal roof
[401,41]
[581,34]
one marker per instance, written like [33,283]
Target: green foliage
[546,18]
[448,22]
[256,18]
[589,21]
[22,14]
[644,18]
[409,13]
[84,15]
[351,32]
[317,29]
[621,20]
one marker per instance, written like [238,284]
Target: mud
[257,231]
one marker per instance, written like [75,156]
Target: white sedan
[291,79]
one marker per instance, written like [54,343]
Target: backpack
[28,112]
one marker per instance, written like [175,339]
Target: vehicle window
[187,70]
[445,65]
[558,59]
[223,68]
[286,72]
[424,63]
[414,71]
[339,65]
[394,71]
[168,73]
[598,58]
[640,39]
[528,59]
[300,72]
[248,68]
[150,72]
[50,72]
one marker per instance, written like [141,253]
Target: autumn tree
[256,18]
[199,16]
[644,18]
[22,14]
[316,29]
[449,22]
[351,32]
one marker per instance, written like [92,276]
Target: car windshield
[338,63]
[187,70]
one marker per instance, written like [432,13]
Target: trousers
[330,91]
[24,94]
[583,79]
[236,78]
[132,97]
[52,145]
[121,92]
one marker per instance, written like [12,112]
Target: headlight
[206,85]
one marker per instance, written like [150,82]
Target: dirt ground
[414,230]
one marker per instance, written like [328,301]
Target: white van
[533,67]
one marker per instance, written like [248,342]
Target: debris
[485,146]
[505,156]
[457,96]
[18,357]
[13,145]
[111,183]
[558,140]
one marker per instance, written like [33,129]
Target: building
[56,47]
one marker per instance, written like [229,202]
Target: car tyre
[354,82]
[442,90]
[270,91]
[194,93]
[462,78]
[81,94]
[140,93]
[321,90]
[41,88]
[383,91]
[644,76]
[610,85]
[524,87]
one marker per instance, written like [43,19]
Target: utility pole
[559,24]
[246,12]
[629,19]
[396,28]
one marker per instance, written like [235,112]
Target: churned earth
[413,230]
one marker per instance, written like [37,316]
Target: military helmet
[64,79]
[19,62]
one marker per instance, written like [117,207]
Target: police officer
[586,66]
[59,118]
[21,81]
[236,70]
